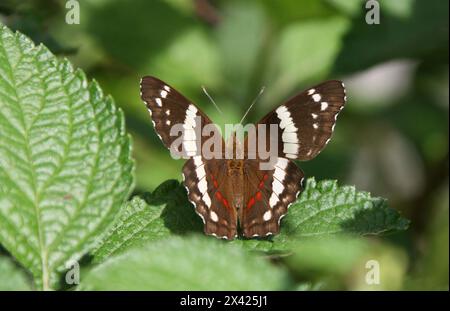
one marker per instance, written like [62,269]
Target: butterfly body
[233,192]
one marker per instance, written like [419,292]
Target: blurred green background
[391,138]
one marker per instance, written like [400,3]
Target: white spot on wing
[311,91]
[279,174]
[200,171]
[273,200]
[198,161]
[290,128]
[202,186]
[214,216]
[277,187]
[316,97]
[190,145]
[207,199]
[267,215]
[163,94]
[282,163]
[323,106]
[289,137]
[158,101]
[290,148]
[189,134]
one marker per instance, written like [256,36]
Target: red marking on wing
[216,185]
[225,202]
[219,196]
[251,202]
[258,195]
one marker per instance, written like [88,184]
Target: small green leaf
[11,277]
[195,263]
[324,208]
[65,165]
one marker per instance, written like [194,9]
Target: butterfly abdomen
[235,171]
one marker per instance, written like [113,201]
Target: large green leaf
[65,166]
[11,277]
[138,223]
[325,208]
[185,264]
[322,209]
[157,215]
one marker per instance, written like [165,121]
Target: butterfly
[234,196]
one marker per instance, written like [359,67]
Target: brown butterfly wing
[167,108]
[268,194]
[205,181]
[306,121]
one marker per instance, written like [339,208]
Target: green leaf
[11,277]
[155,216]
[324,208]
[138,223]
[195,263]
[65,161]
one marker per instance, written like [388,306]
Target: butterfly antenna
[212,100]
[253,103]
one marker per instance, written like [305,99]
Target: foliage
[65,159]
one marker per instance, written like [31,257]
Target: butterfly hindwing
[306,121]
[206,183]
[268,195]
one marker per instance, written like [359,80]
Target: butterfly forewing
[167,108]
[306,121]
